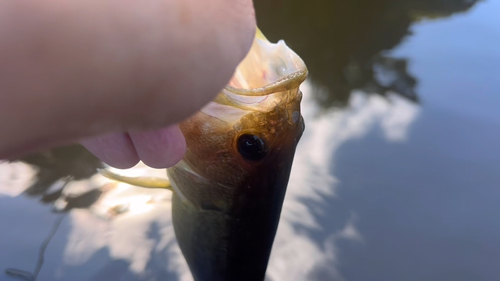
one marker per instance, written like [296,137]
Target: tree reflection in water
[343,42]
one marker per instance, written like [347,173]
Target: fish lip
[284,83]
[248,99]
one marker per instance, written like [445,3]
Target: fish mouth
[268,67]
[264,77]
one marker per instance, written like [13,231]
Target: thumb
[70,70]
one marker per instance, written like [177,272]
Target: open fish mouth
[264,77]
[266,66]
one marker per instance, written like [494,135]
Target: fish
[229,188]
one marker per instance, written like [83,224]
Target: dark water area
[396,177]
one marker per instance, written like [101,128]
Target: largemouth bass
[229,188]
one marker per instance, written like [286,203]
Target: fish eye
[251,147]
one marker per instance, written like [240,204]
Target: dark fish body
[233,245]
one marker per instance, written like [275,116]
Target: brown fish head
[247,133]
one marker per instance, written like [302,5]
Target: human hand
[115,73]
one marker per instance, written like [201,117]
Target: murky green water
[396,177]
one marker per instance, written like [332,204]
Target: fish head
[249,132]
[230,186]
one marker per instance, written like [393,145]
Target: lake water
[397,176]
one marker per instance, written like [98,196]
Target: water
[395,178]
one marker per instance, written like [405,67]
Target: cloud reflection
[121,222]
[15,178]
[296,255]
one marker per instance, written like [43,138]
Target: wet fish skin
[235,244]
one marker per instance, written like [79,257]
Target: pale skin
[115,75]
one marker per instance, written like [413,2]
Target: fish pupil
[251,147]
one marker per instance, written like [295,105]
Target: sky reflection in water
[395,178]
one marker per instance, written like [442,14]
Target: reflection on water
[343,42]
[299,251]
[391,185]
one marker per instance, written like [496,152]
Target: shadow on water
[59,165]
[343,42]
[66,180]
[63,164]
